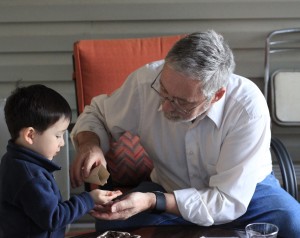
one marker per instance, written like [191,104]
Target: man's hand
[128,206]
[89,155]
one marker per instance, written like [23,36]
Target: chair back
[282,75]
[281,84]
[101,66]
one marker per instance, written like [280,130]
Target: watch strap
[160,205]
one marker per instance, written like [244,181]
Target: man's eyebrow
[177,98]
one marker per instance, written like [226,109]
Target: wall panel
[36,37]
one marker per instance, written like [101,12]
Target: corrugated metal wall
[36,37]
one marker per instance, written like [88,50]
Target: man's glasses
[179,104]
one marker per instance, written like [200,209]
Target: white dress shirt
[211,165]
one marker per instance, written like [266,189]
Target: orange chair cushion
[101,66]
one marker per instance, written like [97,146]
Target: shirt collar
[215,112]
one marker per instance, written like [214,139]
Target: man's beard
[177,117]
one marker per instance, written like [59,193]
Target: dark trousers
[270,203]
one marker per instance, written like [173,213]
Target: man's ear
[218,95]
[28,134]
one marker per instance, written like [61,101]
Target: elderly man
[207,131]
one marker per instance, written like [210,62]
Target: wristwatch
[160,205]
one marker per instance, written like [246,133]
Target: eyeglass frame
[173,100]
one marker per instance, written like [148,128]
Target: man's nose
[167,105]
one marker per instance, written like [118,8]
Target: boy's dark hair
[34,106]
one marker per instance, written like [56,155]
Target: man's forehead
[175,82]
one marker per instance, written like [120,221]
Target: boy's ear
[28,134]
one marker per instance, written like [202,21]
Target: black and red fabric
[127,161]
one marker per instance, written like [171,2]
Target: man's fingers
[123,215]
[86,168]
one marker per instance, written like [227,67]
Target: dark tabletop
[176,232]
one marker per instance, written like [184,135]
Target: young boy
[30,201]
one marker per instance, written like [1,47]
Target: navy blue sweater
[30,201]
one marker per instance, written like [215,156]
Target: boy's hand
[102,197]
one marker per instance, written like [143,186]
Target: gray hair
[203,56]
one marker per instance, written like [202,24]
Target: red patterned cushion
[128,162]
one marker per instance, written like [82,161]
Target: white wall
[36,37]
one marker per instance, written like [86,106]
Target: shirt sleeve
[108,116]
